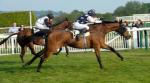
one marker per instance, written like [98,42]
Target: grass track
[80,68]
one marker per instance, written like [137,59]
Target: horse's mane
[108,21]
[59,22]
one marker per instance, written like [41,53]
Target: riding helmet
[50,16]
[91,12]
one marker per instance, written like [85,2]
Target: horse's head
[122,30]
[67,23]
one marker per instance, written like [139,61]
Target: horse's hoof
[24,65]
[66,55]
[38,71]
[122,59]
[101,67]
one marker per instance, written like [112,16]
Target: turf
[79,68]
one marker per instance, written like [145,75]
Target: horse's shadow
[12,67]
[16,66]
[7,62]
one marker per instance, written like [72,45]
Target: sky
[101,6]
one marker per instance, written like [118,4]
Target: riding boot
[82,31]
[41,33]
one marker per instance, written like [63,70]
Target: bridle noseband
[121,29]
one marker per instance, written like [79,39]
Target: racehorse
[24,34]
[95,40]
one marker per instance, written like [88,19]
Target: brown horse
[95,40]
[24,34]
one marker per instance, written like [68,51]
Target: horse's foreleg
[34,57]
[23,50]
[40,64]
[43,58]
[113,50]
[97,53]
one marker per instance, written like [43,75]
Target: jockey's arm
[47,23]
[94,20]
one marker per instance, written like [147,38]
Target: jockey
[84,20]
[42,26]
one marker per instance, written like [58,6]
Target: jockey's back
[41,20]
[83,19]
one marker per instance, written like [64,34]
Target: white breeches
[79,26]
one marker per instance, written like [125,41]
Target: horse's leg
[67,51]
[113,50]
[43,58]
[31,47]
[60,49]
[34,57]
[97,53]
[23,50]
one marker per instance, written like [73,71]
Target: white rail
[113,39]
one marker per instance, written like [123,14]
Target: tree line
[131,7]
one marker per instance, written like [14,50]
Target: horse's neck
[59,28]
[106,28]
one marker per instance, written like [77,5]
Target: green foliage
[80,68]
[21,18]
[108,16]
[74,15]
[132,7]
[120,11]
[71,16]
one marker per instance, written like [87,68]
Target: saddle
[80,33]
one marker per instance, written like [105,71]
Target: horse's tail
[4,40]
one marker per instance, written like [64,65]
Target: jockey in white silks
[42,27]
[44,23]
[83,21]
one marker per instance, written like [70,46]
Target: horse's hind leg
[60,49]
[23,50]
[31,47]
[97,52]
[113,50]
[67,51]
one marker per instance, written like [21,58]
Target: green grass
[80,68]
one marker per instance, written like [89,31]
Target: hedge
[21,18]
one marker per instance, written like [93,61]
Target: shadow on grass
[7,62]
[15,67]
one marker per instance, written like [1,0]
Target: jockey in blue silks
[82,22]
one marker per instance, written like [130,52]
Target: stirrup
[77,37]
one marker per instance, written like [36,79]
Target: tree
[75,14]
[132,7]
[120,11]
[108,16]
